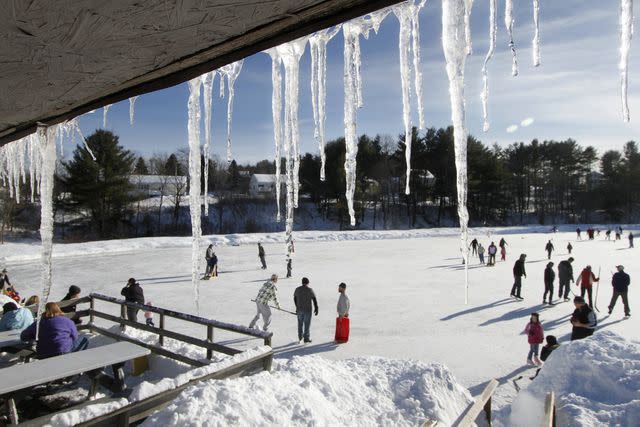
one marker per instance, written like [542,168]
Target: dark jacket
[549,247]
[549,276]
[56,336]
[584,315]
[547,350]
[518,268]
[565,271]
[620,281]
[260,251]
[303,296]
[133,293]
[4,280]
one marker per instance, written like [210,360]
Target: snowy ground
[406,290]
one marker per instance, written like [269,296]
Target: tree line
[535,182]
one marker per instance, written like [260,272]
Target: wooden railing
[549,417]
[482,402]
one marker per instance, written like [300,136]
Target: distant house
[153,185]
[263,184]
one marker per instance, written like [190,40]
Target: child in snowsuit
[148,317]
[535,336]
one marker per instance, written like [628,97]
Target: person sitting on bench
[58,334]
[15,318]
[74,292]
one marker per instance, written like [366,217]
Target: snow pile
[71,418]
[313,390]
[596,382]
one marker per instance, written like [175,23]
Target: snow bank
[77,416]
[596,382]
[312,390]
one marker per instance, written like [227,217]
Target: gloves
[316,312]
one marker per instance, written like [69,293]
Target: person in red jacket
[585,281]
[535,336]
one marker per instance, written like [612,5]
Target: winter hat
[551,340]
[305,281]
[570,259]
[10,306]
[342,286]
[549,264]
[4,270]
[131,281]
[579,300]
[73,290]
[620,267]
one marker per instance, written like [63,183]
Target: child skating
[535,336]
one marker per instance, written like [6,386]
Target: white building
[263,184]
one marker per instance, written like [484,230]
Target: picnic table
[21,378]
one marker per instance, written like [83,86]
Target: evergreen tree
[141,167]
[101,188]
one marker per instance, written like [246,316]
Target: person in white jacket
[343,301]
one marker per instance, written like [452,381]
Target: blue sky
[574,93]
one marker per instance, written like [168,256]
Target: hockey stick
[595,301]
[281,309]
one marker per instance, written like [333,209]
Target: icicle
[508,22]
[318,45]
[467,25]
[493,29]
[276,112]
[231,71]
[105,110]
[626,32]
[47,153]
[536,34]
[208,92]
[72,127]
[407,14]
[194,184]
[353,93]
[454,46]
[132,102]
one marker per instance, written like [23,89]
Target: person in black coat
[74,292]
[565,275]
[549,248]
[545,352]
[132,292]
[549,277]
[583,320]
[620,282]
[518,272]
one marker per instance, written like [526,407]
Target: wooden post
[487,410]
[468,417]
[91,308]
[13,411]
[161,341]
[209,339]
[549,418]
[267,341]
[123,315]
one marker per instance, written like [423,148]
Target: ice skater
[630,239]
[518,272]
[303,297]
[267,292]
[535,336]
[549,248]
[503,253]
[569,248]
[492,254]
[474,246]
[481,253]
[579,233]
[549,277]
[261,255]
[586,281]
[620,282]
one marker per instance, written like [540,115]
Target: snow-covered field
[407,295]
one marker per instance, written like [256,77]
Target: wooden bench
[10,339]
[20,378]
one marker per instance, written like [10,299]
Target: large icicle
[105,111]
[626,32]
[353,93]
[493,29]
[276,112]
[407,14]
[454,46]
[467,25]
[207,84]
[318,45]
[132,103]
[47,153]
[194,183]
[231,72]
[536,33]
[290,54]
[508,22]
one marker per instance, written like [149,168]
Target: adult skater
[618,235]
[303,297]
[608,234]
[502,242]
[518,272]
[207,257]
[620,282]
[630,239]
[4,279]
[585,281]
[343,301]
[212,266]
[132,292]
[569,248]
[342,322]
[289,265]
[565,276]
[481,253]
[579,233]
[549,277]
[583,320]
[503,253]
[261,256]
[474,246]
[267,292]
[549,248]
[492,250]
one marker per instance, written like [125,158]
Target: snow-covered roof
[156,179]
[264,178]
[64,58]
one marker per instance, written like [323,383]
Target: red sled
[342,329]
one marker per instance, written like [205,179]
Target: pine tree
[141,167]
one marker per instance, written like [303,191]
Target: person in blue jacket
[15,318]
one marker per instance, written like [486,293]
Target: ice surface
[132,103]
[508,22]
[453,27]
[352,31]
[194,184]
[626,32]
[318,45]
[231,72]
[536,34]
[276,113]
[493,29]
[207,83]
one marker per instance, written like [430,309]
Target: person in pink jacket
[535,336]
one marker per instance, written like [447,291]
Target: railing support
[210,339]
[161,338]
[123,315]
